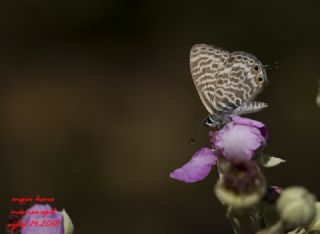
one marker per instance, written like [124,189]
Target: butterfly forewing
[205,63]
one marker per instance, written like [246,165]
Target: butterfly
[227,82]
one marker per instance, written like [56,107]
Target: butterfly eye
[259,79]
[255,69]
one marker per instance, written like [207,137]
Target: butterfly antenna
[275,65]
[193,138]
[267,67]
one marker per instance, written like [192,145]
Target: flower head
[38,214]
[42,219]
[239,139]
[241,185]
[296,207]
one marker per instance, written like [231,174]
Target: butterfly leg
[216,121]
[249,107]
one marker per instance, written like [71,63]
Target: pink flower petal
[251,123]
[34,221]
[237,141]
[197,168]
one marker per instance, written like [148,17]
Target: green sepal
[314,227]
[266,160]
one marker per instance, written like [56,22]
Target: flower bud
[314,226]
[35,215]
[296,207]
[241,184]
[67,223]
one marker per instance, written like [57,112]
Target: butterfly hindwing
[236,82]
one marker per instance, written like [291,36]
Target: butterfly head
[216,121]
[258,74]
[209,122]
[258,78]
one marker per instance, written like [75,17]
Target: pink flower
[197,168]
[239,139]
[41,219]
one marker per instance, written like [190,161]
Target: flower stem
[275,229]
[245,221]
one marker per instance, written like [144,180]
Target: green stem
[275,229]
[245,221]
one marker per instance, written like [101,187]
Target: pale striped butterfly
[227,82]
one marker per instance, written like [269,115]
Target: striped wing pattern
[205,63]
[232,88]
[250,107]
[236,84]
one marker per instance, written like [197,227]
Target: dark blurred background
[97,105]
